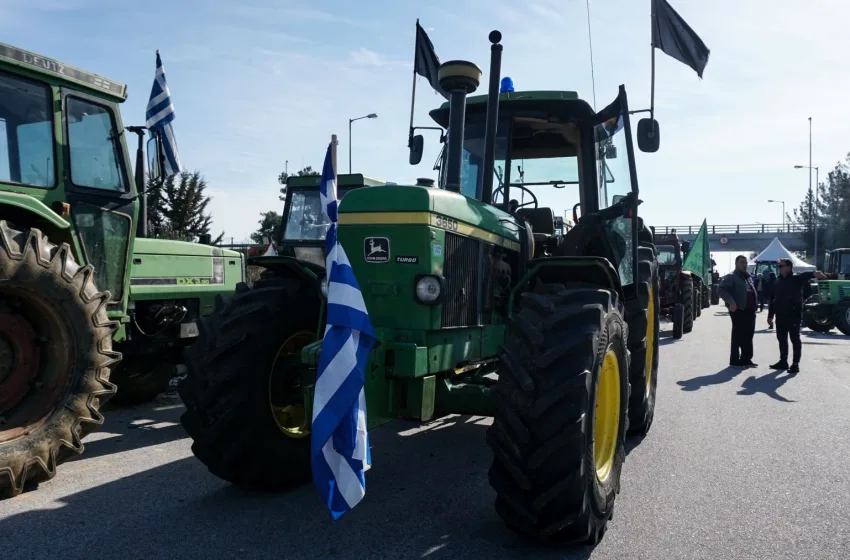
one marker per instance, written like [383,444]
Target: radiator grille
[461,269]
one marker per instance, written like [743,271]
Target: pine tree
[269,227]
[305,172]
[176,209]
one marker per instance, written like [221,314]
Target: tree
[176,208]
[305,172]
[831,212]
[269,227]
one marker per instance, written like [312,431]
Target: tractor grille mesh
[461,269]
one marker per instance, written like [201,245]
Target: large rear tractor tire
[841,316]
[642,316]
[558,436]
[244,401]
[687,299]
[55,357]
[140,379]
[715,296]
[678,320]
[697,298]
[706,297]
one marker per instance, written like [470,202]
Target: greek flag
[159,115]
[340,444]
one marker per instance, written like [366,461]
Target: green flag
[698,260]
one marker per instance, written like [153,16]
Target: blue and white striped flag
[159,115]
[340,443]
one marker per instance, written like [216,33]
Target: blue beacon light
[507,85]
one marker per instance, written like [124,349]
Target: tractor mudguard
[29,204]
[596,271]
[284,266]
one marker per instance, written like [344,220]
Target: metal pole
[817,186]
[652,75]
[492,117]
[349,145]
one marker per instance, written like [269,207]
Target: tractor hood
[146,246]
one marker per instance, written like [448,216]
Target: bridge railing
[732,229]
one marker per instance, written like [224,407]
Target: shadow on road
[768,384]
[725,375]
[427,497]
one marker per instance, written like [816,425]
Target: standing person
[769,285]
[788,306]
[739,293]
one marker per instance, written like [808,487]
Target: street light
[812,214]
[369,116]
[783,211]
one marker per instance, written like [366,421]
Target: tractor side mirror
[649,135]
[417,144]
[610,151]
[154,159]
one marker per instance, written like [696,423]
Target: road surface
[739,464]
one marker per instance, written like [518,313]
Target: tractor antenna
[590,41]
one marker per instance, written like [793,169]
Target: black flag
[674,37]
[427,63]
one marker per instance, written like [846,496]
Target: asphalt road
[739,464]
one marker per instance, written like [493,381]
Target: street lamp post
[783,212]
[813,214]
[350,121]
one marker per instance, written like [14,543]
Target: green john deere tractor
[829,307]
[464,285]
[68,250]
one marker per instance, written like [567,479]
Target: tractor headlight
[429,289]
[323,286]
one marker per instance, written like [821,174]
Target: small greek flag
[159,115]
[340,443]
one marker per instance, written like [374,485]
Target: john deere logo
[376,249]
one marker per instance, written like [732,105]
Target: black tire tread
[641,404]
[687,298]
[28,257]
[540,432]
[226,384]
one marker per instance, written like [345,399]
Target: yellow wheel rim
[650,339]
[606,422]
[291,417]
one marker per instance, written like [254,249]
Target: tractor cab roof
[344,180]
[554,105]
[61,73]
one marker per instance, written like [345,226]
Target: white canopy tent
[775,251]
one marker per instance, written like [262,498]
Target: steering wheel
[523,189]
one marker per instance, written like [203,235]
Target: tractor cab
[838,262]
[304,224]
[552,150]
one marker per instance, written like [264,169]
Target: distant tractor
[477,310]
[78,288]
[680,289]
[829,306]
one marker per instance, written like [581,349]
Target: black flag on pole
[674,37]
[427,63]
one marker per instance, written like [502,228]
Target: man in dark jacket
[739,293]
[788,309]
[769,283]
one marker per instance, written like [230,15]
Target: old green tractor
[68,248]
[829,307]
[464,285]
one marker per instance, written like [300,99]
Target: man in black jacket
[788,309]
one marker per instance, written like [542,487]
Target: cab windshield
[305,220]
[667,255]
[844,263]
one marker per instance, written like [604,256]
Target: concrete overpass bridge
[742,238]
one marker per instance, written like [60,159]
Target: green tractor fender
[27,211]
[286,267]
[596,271]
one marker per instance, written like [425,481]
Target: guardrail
[732,229]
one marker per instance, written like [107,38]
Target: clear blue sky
[259,82]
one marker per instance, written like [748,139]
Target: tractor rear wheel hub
[19,358]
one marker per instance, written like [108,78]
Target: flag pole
[413,94]
[334,144]
[652,76]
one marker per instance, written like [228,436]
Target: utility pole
[812,211]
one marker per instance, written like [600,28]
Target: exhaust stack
[459,78]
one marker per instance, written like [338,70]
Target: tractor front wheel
[678,320]
[818,323]
[841,316]
[140,379]
[55,357]
[243,387]
[715,296]
[642,316]
[558,435]
[687,298]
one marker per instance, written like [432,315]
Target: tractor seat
[542,221]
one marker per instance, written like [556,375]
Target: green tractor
[478,306]
[829,306]
[68,250]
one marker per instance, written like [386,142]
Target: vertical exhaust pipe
[492,117]
[459,78]
[142,225]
